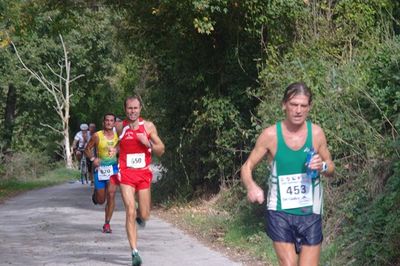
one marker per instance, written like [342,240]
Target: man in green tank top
[294,200]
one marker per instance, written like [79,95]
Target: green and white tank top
[290,190]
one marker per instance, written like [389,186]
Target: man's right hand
[112,151]
[255,194]
[143,139]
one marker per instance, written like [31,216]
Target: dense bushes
[373,236]
[24,166]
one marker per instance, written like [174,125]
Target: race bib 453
[295,191]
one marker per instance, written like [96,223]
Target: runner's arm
[118,127]
[156,144]
[93,142]
[323,154]
[254,192]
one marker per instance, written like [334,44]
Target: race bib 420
[104,172]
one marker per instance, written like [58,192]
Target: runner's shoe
[141,223]
[94,199]
[136,259]
[107,229]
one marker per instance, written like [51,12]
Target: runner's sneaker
[94,199]
[136,259]
[107,229]
[141,223]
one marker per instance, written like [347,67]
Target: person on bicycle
[80,141]
[102,151]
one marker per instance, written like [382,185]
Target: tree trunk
[61,95]
[9,116]
[65,118]
[67,145]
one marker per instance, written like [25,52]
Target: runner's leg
[128,197]
[309,255]
[144,199]
[100,195]
[111,189]
[286,253]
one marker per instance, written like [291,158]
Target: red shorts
[115,179]
[135,178]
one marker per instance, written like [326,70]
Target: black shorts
[296,229]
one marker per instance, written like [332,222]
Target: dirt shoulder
[213,238]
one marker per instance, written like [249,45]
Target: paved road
[60,226]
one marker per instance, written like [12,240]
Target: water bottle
[311,173]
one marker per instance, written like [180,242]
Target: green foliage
[374,235]
[57,175]
[359,19]
[194,71]
[383,87]
[222,120]
[34,27]
[25,166]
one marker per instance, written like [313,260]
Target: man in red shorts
[138,141]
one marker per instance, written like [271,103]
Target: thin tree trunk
[61,95]
[9,116]
[65,118]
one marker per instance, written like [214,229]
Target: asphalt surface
[61,226]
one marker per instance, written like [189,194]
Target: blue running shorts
[101,184]
[297,229]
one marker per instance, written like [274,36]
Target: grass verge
[12,187]
[231,234]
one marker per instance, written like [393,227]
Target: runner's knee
[287,262]
[131,213]
[111,194]
[100,200]
[286,253]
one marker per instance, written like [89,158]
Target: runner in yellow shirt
[105,163]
